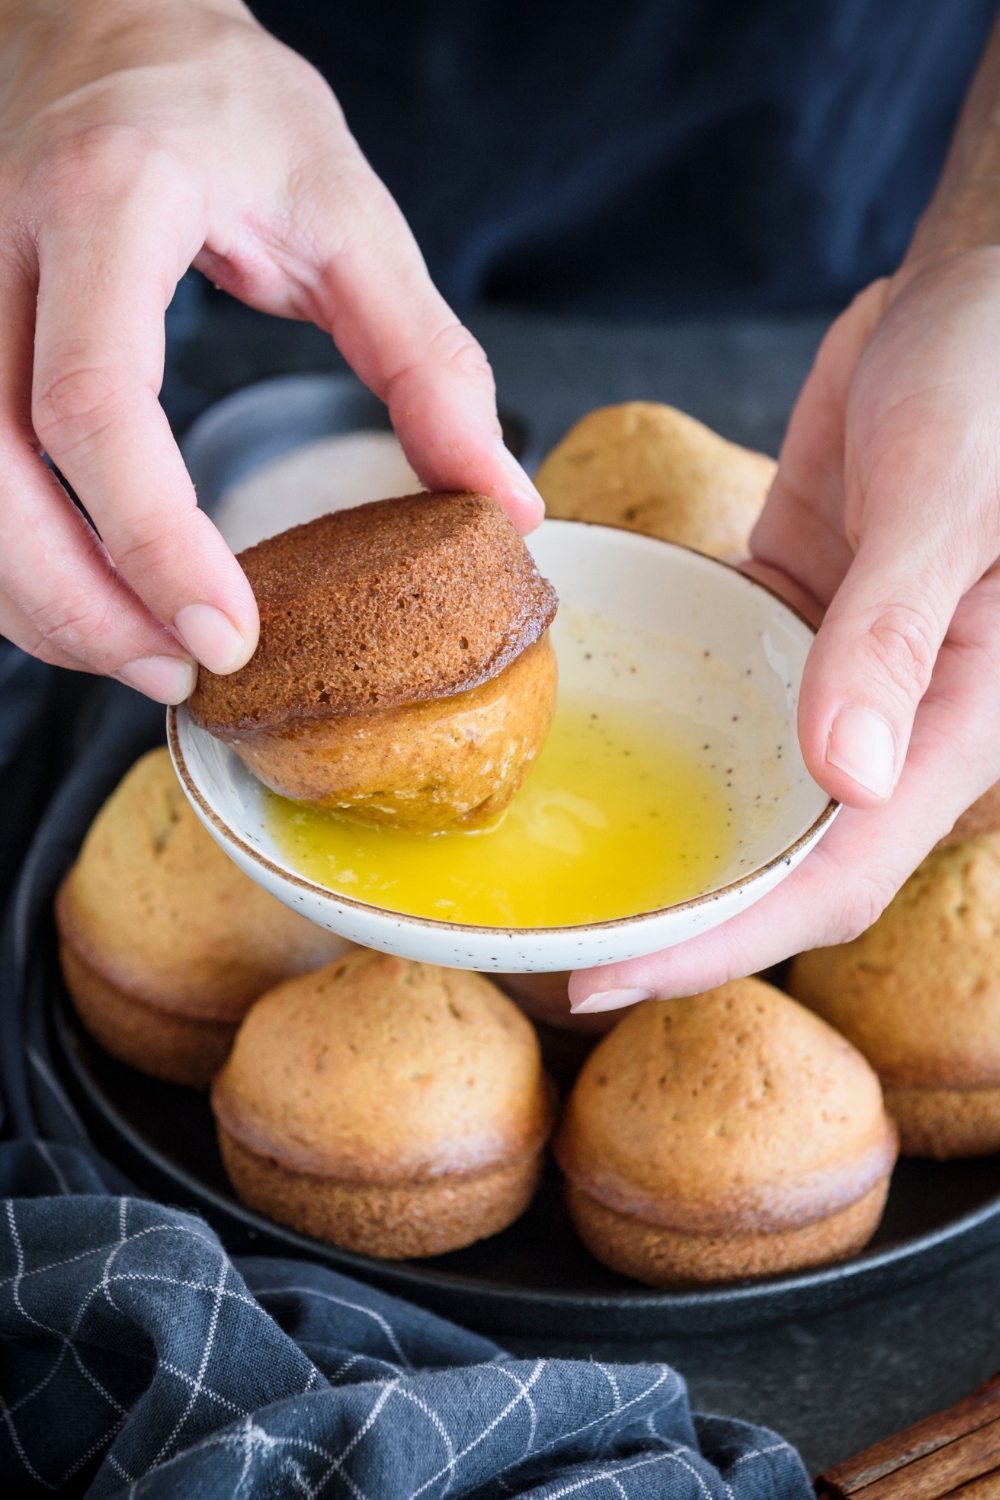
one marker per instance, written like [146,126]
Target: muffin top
[154,906]
[730,1111]
[646,467]
[390,603]
[919,992]
[376,1069]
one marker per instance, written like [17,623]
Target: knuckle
[43,651]
[904,643]
[74,402]
[95,158]
[861,907]
[454,345]
[74,626]
[154,547]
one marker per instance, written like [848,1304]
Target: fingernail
[211,636]
[862,744]
[609,1000]
[167,679]
[525,490]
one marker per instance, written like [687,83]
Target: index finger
[106,274]
[397,332]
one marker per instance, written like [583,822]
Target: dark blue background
[650,156]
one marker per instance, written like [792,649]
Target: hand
[884,522]
[136,140]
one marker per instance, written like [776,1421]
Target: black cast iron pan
[535,1279]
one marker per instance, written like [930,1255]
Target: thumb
[871,664]
[921,455]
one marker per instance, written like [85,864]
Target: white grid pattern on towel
[194,1416]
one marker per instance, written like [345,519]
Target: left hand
[135,140]
[883,522]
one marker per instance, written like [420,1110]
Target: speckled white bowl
[641,619]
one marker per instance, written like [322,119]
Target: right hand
[882,525]
[137,140]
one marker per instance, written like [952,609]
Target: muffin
[919,995]
[722,1136]
[391,1107]
[164,942]
[404,673]
[646,467]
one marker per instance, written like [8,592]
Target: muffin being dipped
[404,673]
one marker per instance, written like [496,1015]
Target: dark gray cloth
[650,156]
[137,1359]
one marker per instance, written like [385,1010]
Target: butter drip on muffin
[725,1135]
[404,673]
[919,994]
[392,1107]
[164,942]
[643,466]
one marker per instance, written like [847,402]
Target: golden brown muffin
[164,942]
[404,673]
[919,995]
[725,1135]
[395,1108]
[448,762]
[646,467]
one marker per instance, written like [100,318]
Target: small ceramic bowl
[648,622]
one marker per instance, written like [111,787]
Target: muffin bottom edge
[662,1257]
[945,1124]
[391,1221]
[160,1043]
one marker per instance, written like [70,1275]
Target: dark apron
[650,156]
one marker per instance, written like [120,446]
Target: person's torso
[650,156]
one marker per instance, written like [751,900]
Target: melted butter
[618,816]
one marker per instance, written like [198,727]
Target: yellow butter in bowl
[621,813]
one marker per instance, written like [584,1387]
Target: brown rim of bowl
[784,857]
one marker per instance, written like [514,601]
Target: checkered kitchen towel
[137,1359]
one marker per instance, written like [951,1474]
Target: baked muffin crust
[393,1107]
[729,1119]
[671,1257]
[386,604]
[154,906]
[178,1049]
[946,1123]
[919,995]
[643,466]
[919,992]
[164,942]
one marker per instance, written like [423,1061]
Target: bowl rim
[437,924]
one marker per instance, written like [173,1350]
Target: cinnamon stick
[986,1487]
[955,1453]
